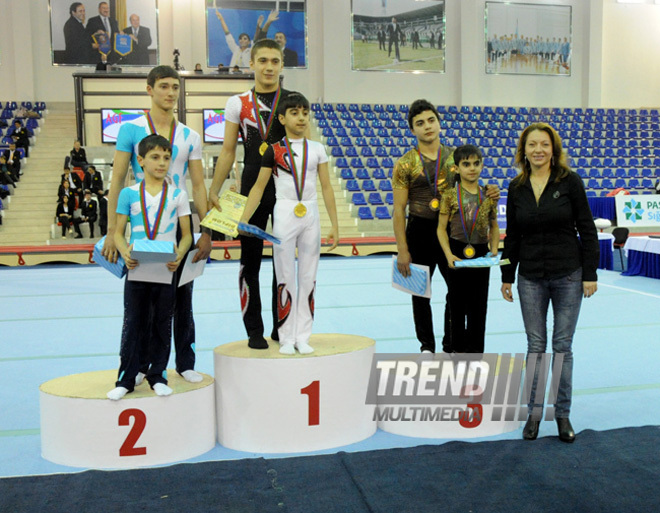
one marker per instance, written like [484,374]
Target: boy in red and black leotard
[241,115]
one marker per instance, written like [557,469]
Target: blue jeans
[566,296]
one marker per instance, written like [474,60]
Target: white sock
[139,378]
[117,393]
[162,389]
[192,376]
[287,349]
[427,351]
[304,348]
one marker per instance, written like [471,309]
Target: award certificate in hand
[232,205]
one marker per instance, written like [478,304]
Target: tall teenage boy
[295,163]
[163,88]
[252,114]
[155,209]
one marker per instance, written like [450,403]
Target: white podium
[80,427]
[270,403]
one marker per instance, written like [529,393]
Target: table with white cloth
[643,257]
[606,243]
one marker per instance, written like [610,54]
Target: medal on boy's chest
[434,204]
[263,132]
[468,251]
[298,181]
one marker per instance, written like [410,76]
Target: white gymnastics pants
[295,305]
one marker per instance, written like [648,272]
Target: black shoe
[257,342]
[275,335]
[531,429]
[79,236]
[566,433]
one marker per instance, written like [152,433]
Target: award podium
[81,427]
[271,403]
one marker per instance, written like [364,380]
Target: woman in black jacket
[552,240]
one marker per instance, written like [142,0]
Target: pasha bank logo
[633,210]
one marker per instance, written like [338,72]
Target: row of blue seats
[365,174]
[354,107]
[374,198]
[381,212]
[27,104]
[618,162]
[368,185]
[607,172]
[627,183]
[356,162]
[381,151]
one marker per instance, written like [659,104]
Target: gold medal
[434,204]
[263,148]
[300,210]
[468,251]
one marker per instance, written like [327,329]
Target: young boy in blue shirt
[472,220]
[155,207]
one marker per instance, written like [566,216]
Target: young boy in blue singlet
[155,209]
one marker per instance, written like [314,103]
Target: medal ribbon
[271,116]
[437,170]
[152,127]
[299,183]
[459,197]
[151,234]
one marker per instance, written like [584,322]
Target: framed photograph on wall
[114,32]
[528,39]
[232,27]
[398,35]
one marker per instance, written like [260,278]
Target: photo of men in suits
[290,56]
[141,41]
[77,41]
[104,26]
[394,35]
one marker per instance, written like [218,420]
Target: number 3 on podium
[313,392]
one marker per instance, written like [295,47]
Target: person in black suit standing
[103,23]
[88,212]
[103,212]
[141,41]
[290,56]
[394,34]
[77,43]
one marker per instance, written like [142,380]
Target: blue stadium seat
[351,151]
[353,186]
[389,198]
[372,162]
[366,151]
[355,132]
[346,141]
[388,163]
[593,184]
[383,213]
[646,183]
[365,107]
[368,186]
[356,162]
[385,185]
[341,163]
[607,173]
[362,174]
[375,198]
[381,151]
[337,151]
[633,183]
[347,174]
[364,213]
[378,174]
[620,182]
[395,152]
[358,199]
[328,132]
[606,183]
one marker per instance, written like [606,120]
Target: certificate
[232,205]
[417,284]
[152,257]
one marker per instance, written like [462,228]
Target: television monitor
[112,119]
[214,126]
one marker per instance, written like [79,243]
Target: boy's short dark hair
[265,43]
[291,101]
[419,106]
[160,72]
[152,142]
[465,152]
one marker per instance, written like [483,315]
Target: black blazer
[88,210]
[93,183]
[16,164]
[140,53]
[60,209]
[95,24]
[77,43]
[290,58]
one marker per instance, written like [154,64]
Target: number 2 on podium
[312,391]
[140,420]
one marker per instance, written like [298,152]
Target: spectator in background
[103,212]
[21,137]
[13,161]
[198,68]
[66,218]
[93,180]
[222,68]
[88,212]
[74,181]
[141,37]
[6,177]
[65,190]
[290,56]
[77,157]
